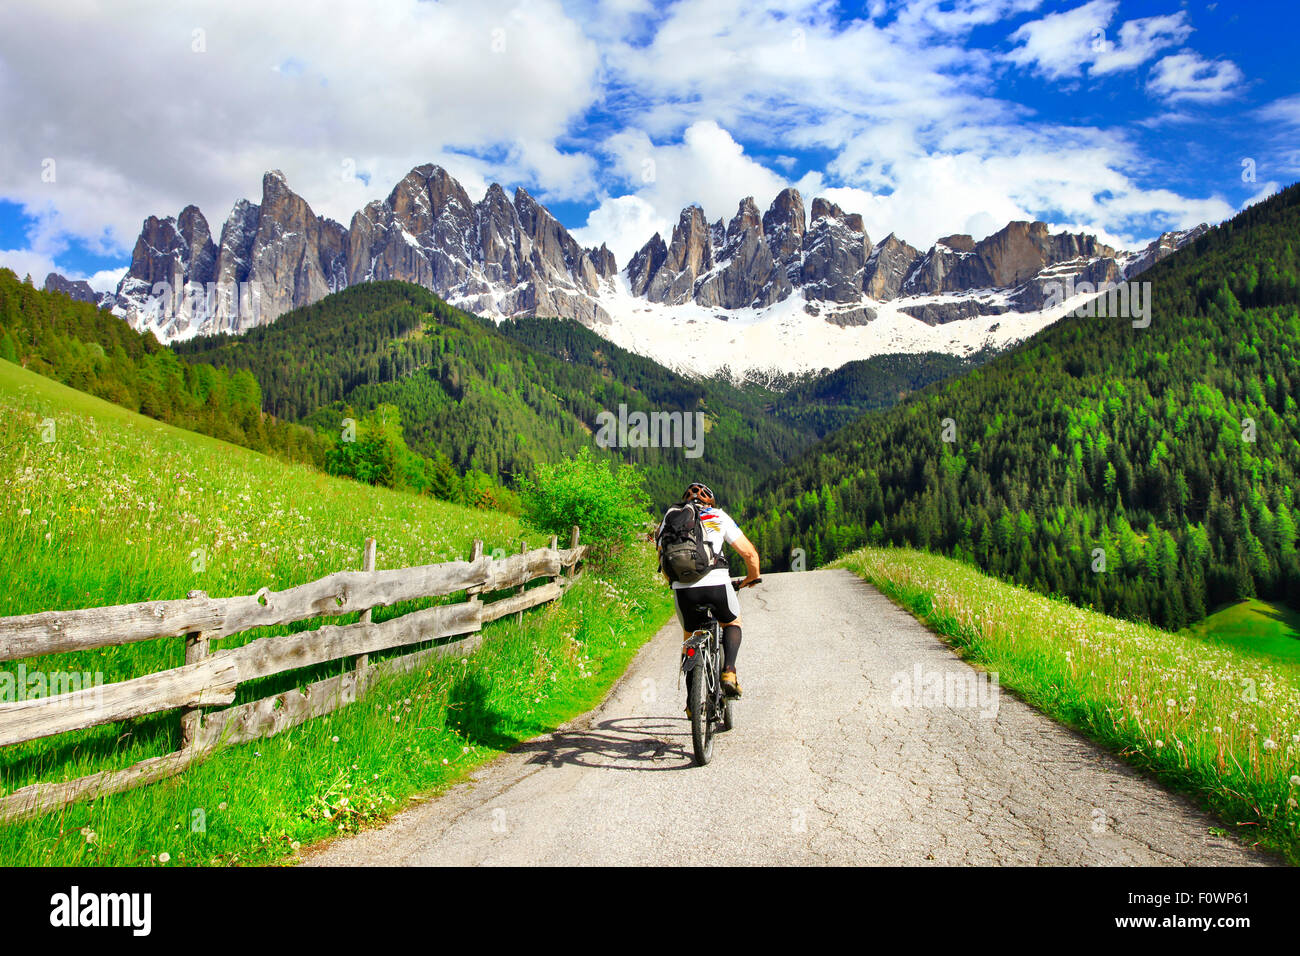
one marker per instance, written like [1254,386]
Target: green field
[119,508]
[1255,627]
[1208,719]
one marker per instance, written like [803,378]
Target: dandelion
[1295,780]
[221,805]
[335,739]
[1270,744]
[164,857]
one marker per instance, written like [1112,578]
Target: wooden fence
[211,678]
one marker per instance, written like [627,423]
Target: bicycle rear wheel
[701,725]
[728,720]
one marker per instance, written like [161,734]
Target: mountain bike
[707,704]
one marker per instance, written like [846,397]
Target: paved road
[828,764]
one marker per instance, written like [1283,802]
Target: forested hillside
[825,403]
[1169,452]
[92,350]
[495,401]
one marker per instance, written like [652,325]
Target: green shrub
[607,501]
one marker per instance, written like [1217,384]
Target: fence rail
[211,678]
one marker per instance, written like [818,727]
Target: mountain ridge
[811,273]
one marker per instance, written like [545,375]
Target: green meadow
[103,506]
[1255,627]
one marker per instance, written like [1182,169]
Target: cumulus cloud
[1062,45]
[624,223]
[25,262]
[1191,78]
[146,108]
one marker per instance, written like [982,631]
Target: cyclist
[714,589]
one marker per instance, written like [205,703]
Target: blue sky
[1120,117]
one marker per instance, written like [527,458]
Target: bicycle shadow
[624,743]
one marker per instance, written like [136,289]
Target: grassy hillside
[1149,472]
[120,508]
[94,351]
[1214,721]
[1255,627]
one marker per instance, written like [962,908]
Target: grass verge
[1206,719]
[259,803]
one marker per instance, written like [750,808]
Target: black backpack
[684,554]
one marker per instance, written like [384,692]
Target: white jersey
[718,528]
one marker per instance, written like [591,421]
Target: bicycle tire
[701,725]
[728,719]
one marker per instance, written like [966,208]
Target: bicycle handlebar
[735,583]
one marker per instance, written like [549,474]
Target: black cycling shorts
[692,602]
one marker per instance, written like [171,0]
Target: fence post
[573,543]
[196,649]
[367,564]
[475,553]
[519,616]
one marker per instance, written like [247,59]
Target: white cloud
[106,280]
[1139,41]
[1285,111]
[1189,77]
[26,262]
[960,16]
[138,122]
[624,223]
[1062,45]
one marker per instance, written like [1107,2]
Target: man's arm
[745,548]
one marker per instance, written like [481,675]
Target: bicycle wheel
[728,720]
[701,725]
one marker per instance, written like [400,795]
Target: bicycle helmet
[698,491]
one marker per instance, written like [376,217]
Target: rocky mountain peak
[507,255]
[78,289]
[825,209]
[786,212]
[747,218]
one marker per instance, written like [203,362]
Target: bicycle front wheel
[701,726]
